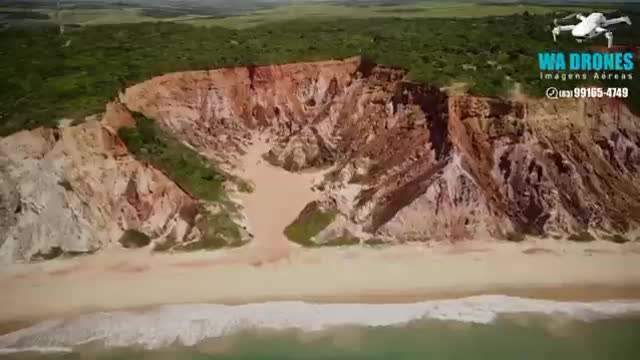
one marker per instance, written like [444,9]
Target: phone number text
[587,92]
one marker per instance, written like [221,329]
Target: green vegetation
[516,236]
[344,240]
[76,122]
[313,219]
[133,239]
[237,16]
[65,184]
[57,252]
[195,174]
[105,16]
[582,236]
[52,253]
[42,80]
[161,13]
[616,238]
[102,16]
[320,12]
[309,224]
[375,242]
[244,186]
[22,14]
[164,246]
[218,230]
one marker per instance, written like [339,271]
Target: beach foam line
[42,350]
[189,324]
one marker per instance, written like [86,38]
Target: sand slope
[277,199]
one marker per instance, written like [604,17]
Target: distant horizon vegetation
[94,12]
[45,76]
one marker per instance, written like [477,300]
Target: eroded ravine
[277,198]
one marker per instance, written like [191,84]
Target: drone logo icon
[589,27]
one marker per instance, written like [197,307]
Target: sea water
[483,327]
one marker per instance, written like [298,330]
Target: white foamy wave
[47,350]
[189,324]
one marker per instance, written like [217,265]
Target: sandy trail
[277,199]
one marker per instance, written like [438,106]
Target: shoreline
[272,313]
[561,293]
[571,293]
[581,293]
[121,280]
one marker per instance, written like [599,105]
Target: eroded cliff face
[551,167]
[76,189]
[406,160]
[409,161]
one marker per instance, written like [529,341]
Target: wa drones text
[586,65]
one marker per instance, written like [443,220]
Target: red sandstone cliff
[409,161]
[77,189]
[428,165]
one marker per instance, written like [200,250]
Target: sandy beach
[271,268]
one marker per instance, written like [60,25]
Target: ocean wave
[189,324]
[44,350]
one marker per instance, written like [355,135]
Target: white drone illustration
[589,27]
